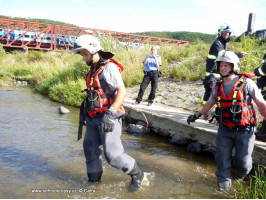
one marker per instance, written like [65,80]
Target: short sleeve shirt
[151,63]
[110,78]
[250,88]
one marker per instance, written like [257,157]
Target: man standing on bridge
[102,113]
[236,116]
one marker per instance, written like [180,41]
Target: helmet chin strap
[91,61]
[229,74]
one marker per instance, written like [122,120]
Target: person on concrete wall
[236,116]
[102,113]
[152,62]
[261,83]
[219,46]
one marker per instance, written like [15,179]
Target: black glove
[108,122]
[192,118]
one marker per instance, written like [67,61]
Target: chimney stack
[251,22]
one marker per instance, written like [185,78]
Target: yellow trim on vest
[216,75]
[212,56]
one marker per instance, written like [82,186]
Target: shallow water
[41,158]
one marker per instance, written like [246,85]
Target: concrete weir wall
[175,121]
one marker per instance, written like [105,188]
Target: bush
[35,56]
[21,71]
[256,188]
[68,93]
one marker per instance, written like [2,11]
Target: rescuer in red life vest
[102,113]
[237,119]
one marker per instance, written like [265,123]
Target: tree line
[182,35]
[49,21]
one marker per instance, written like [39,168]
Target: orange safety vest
[97,101]
[234,108]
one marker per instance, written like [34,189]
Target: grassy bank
[256,188]
[60,75]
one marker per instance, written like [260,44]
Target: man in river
[102,112]
[236,116]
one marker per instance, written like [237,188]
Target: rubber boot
[94,177]
[137,177]
[261,135]
[225,186]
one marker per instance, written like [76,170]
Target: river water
[41,158]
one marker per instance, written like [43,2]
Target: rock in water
[63,110]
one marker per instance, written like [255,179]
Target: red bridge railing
[43,36]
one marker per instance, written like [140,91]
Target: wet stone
[63,110]
[164,133]
[179,140]
[136,129]
[209,150]
[194,147]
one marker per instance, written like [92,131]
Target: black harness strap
[82,118]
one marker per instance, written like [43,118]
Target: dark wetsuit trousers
[112,147]
[243,142]
[152,77]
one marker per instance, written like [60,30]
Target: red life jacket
[97,101]
[234,108]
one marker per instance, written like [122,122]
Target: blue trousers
[112,147]
[243,142]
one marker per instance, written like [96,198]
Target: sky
[204,16]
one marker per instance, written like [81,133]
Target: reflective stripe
[261,72]
[264,89]
[211,56]
[221,53]
[216,75]
[215,57]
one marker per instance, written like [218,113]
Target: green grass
[256,188]
[60,75]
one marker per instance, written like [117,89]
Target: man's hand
[192,118]
[108,122]
[243,54]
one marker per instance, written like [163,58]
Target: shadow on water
[38,151]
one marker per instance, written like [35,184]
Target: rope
[143,116]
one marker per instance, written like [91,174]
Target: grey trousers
[243,142]
[112,147]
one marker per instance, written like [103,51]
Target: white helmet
[223,28]
[92,44]
[87,42]
[229,57]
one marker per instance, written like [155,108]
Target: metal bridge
[44,36]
